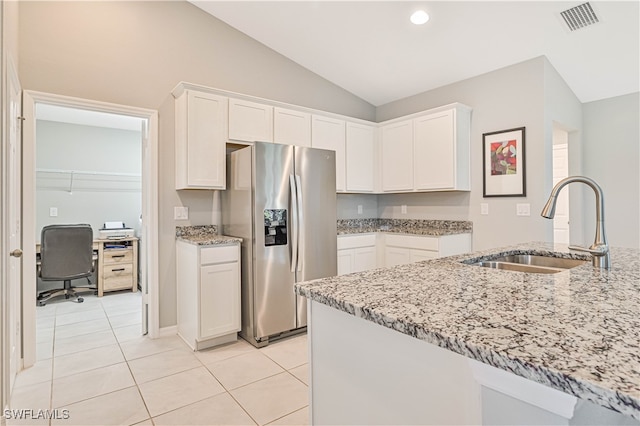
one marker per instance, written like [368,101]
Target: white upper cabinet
[360,158]
[396,153]
[329,133]
[250,121]
[291,127]
[201,133]
[441,151]
[429,152]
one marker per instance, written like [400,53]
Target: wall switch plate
[523,209]
[484,208]
[181,213]
[403,209]
[359,208]
[53,211]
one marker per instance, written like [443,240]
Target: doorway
[561,232]
[146,120]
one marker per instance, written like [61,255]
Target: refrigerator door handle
[294,224]
[300,231]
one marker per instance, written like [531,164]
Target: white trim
[150,182]
[172,330]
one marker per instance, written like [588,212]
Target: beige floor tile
[272,398]
[44,334]
[147,422]
[125,308]
[69,345]
[89,384]
[80,328]
[35,397]
[243,369]
[145,346]
[78,362]
[125,319]
[46,311]
[68,306]
[288,353]
[217,410]
[162,365]
[179,390]
[300,417]
[125,334]
[302,373]
[230,350]
[44,351]
[123,407]
[46,322]
[79,317]
[40,372]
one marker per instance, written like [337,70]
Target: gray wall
[134,53]
[94,199]
[612,138]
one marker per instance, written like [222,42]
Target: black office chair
[66,254]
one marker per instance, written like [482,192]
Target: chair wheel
[80,300]
[41,303]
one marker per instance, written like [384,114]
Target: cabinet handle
[117,270]
[117,255]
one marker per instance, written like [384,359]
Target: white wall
[612,158]
[93,199]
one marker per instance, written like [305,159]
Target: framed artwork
[503,165]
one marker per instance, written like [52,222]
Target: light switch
[484,208]
[523,209]
[53,211]
[359,208]
[181,213]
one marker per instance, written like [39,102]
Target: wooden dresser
[118,265]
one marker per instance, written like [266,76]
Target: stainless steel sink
[530,263]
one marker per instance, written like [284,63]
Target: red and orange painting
[503,158]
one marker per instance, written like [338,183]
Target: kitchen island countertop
[576,331]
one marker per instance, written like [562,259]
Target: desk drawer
[118,276]
[115,256]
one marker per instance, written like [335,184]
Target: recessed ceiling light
[419,17]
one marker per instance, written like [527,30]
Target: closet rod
[87,172]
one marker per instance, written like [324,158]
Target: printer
[115,231]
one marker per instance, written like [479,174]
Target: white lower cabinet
[208,293]
[356,253]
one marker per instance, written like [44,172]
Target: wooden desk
[117,264]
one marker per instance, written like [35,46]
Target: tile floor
[93,362]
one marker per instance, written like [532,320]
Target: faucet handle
[599,250]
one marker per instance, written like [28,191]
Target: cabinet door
[329,133]
[250,121]
[364,259]
[219,300]
[396,256]
[291,127]
[345,261]
[360,158]
[420,255]
[434,151]
[201,133]
[397,156]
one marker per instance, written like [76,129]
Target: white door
[13,169]
[561,171]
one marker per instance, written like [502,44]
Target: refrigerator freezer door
[273,297]
[317,252]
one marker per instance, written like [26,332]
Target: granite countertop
[435,228]
[205,235]
[576,331]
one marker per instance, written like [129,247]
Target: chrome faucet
[599,249]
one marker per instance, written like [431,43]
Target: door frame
[149,207]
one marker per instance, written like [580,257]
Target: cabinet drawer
[412,242]
[115,256]
[221,254]
[118,276]
[355,241]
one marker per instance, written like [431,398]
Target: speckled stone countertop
[404,226]
[577,331]
[204,235]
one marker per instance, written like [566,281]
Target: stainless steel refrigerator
[281,200]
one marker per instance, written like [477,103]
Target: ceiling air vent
[579,17]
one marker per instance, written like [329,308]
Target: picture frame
[503,163]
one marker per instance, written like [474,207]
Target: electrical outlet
[484,208]
[523,209]
[403,209]
[181,213]
[359,208]
[53,211]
